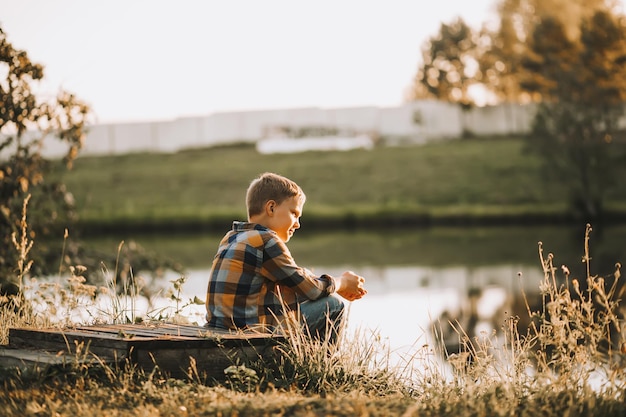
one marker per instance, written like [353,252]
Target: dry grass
[570,361]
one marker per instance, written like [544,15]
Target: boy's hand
[350,286]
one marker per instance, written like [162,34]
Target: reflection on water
[415,277]
[403,301]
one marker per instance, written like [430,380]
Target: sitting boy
[254,281]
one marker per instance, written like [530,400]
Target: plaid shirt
[251,273]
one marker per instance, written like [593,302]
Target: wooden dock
[177,350]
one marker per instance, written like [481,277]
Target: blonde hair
[270,186]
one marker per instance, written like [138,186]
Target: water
[402,301]
[417,277]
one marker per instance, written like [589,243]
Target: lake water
[402,301]
[415,276]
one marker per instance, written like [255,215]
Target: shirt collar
[245,226]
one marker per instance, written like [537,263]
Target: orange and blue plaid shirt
[254,278]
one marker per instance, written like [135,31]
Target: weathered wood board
[176,350]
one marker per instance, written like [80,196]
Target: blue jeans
[323,317]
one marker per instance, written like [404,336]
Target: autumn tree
[582,85]
[449,64]
[459,58]
[506,44]
[503,48]
[565,55]
[26,123]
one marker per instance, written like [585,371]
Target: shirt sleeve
[280,267]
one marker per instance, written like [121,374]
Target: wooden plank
[57,340]
[131,331]
[134,332]
[198,331]
[208,357]
[150,331]
[37,359]
[205,363]
[173,348]
[203,331]
[35,335]
[20,356]
[122,338]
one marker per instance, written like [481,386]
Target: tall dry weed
[579,333]
[575,341]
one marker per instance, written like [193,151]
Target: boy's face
[284,218]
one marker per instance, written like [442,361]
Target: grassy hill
[458,181]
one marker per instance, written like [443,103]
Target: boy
[254,282]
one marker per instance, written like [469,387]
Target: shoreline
[351,221]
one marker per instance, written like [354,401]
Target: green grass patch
[474,179]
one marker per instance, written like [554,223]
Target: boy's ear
[269,207]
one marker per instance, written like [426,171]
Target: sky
[141,60]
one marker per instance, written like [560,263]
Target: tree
[565,55]
[501,54]
[504,47]
[25,123]
[582,86]
[449,65]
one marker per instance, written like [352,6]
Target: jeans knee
[323,316]
[335,306]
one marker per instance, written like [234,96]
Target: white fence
[415,122]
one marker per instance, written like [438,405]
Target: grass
[570,360]
[452,181]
